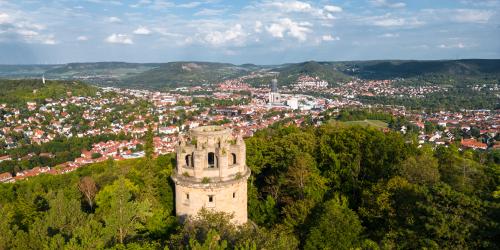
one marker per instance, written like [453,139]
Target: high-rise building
[274,95]
[211,173]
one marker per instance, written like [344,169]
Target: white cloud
[292,6]
[453,46]
[233,36]
[210,12]
[165,32]
[4,18]
[18,27]
[390,22]
[258,27]
[472,16]
[140,3]
[142,31]
[332,8]
[119,39]
[27,33]
[113,19]
[279,8]
[329,38]
[190,5]
[49,40]
[389,35]
[82,38]
[114,2]
[289,27]
[387,21]
[385,3]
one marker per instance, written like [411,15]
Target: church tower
[274,96]
[212,173]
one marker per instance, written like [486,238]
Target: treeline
[18,92]
[448,80]
[341,187]
[454,99]
[57,151]
[360,114]
[331,187]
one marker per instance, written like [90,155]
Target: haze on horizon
[261,32]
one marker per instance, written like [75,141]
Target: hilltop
[21,91]
[405,69]
[178,74]
[192,73]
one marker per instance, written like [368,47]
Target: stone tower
[211,172]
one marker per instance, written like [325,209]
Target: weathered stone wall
[225,181]
[190,199]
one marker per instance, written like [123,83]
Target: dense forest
[18,92]
[327,187]
[454,99]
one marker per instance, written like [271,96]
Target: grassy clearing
[365,123]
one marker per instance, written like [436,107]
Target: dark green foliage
[49,212]
[332,187]
[336,227]
[453,99]
[18,92]
[402,196]
[406,69]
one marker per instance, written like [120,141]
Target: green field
[365,123]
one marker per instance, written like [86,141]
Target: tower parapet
[211,172]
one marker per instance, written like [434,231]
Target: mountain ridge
[192,73]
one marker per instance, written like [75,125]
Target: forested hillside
[289,73]
[21,91]
[407,69]
[332,187]
[191,73]
[179,74]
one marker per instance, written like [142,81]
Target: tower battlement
[211,172]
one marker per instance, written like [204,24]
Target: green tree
[149,146]
[421,169]
[65,214]
[122,215]
[336,227]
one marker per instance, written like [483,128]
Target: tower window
[188,160]
[211,160]
[233,158]
[210,198]
[234,194]
[187,196]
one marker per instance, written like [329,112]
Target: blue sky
[262,32]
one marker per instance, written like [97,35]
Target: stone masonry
[211,172]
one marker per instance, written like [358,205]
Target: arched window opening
[233,158]
[188,160]
[211,160]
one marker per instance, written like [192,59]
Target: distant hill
[18,92]
[98,72]
[100,67]
[176,74]
[289,73]
[24,71]
[406,69]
